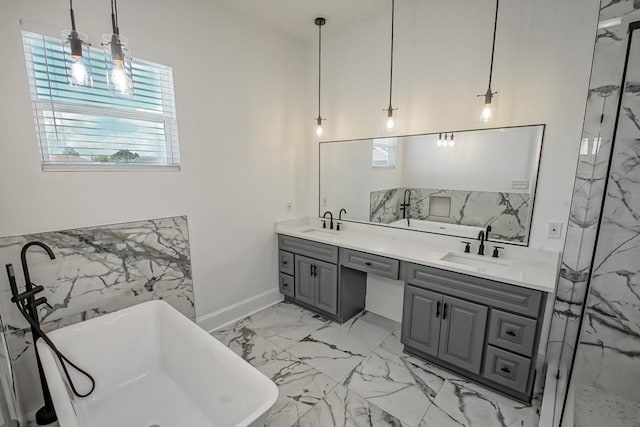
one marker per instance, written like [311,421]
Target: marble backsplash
[97,270]
[507,213]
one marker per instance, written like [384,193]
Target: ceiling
[296,17]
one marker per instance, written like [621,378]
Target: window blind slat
[94,125]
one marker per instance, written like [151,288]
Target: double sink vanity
[478,316]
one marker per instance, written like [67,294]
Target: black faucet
[481,237]
[324,223]
[406,203]
[46,414]
[340,218]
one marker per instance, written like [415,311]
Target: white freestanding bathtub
[153,367]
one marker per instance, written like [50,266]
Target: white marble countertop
[520,266]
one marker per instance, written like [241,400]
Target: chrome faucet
[324,222]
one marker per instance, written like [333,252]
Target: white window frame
[390,145]
[46,107]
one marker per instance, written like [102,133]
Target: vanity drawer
[511,332]
[309,248]
[507,369]
[286,262]
[483,291]
[286,285]
[369,263]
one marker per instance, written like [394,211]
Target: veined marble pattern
[507,213]
[97,270]
[588,194]
[371,383]
[607,356]
[385,205]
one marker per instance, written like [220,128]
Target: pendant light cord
[319,68]
[73,18]
[114,17]
[493,46]
[393,11]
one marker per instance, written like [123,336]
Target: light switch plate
[554,230]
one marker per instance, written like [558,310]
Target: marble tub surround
[531,268]
[507,213]
[97,270]
[382,387]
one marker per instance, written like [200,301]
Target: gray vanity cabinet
[421,319]
[305,282]
[316,283]
[326,287]
[462,333]
[448,328]
[486,330]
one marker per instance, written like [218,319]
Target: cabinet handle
[444,311]
[311,270]
[510,333]
[315,270]
[505,369]
[285,262]
[438,309]
[367,263]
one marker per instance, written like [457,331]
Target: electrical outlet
[289,207]
[554,230]
[324,202]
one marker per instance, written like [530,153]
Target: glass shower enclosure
[605,383]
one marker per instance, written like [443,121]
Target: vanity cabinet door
[326,287]
[421,319]
[305,280]
[462,333]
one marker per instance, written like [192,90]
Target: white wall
[543,58]
[347,177]
[240,96]
[471,164]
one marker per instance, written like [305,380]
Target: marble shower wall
[507,213]
[607,363]
[588,193]
[97,270]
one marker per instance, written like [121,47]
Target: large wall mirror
[454,183]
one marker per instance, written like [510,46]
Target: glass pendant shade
[390,121]
[118,64]
[77,59]
[319,127]
[487,109]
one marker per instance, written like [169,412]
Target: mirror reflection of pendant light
[79,72]
[488,106]
[390,109]
[118,65]
[319,22]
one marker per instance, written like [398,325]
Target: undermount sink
[320,232]
[480,264]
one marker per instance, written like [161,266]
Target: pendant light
[79,73]
[488,106]
[390,109]
[119,75]
[319,22]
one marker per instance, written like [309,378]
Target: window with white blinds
[94,126]
[384,152]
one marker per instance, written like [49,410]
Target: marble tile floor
[356,374]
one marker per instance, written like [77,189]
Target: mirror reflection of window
[384,151]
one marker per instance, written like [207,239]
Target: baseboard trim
[234,312]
